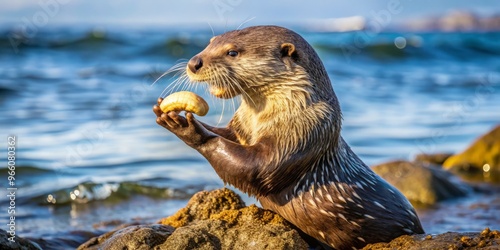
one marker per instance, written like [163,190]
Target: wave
[423,46]
[88,192]
[60,39]
[175,47]
[183,44]
[26,170]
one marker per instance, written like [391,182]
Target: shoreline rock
[421,184]
[482,156]
[432,159]
[219,220]
[131,237]
[211,220]
[487,239]
[18,243]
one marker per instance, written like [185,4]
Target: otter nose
[195,64]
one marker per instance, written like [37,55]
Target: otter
[283,144]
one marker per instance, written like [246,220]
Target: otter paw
[188,129]
[171,120]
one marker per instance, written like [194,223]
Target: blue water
[79,102]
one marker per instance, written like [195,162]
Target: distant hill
[454,21]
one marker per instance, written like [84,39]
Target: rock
[432,159]
[18,243]
[422,185]
[203,205]
[131,237]
[219,220]
[244,232]
[487,239]
[482,156]
[211,220]
[65,240]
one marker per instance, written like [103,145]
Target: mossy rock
[487,239]
[211,220]
[482,156]
[220,220]
[204,205]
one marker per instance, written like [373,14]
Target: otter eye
[232,53]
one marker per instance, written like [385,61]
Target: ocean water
[79,103]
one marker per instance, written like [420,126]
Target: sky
[221,12]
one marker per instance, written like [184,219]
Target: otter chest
[251,128]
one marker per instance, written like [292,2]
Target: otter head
[259,60]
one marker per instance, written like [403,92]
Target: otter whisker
[217,83]
[175,68]
[228,82]
[176,84]
[234,82]
[211,28]
[171,86]
[246,21]
[234,85]
[179,75]
[182,84]
[221,113]
[221,80]
[232,99]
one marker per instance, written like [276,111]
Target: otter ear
[288,50]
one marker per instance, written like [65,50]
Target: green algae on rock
[481,156]
[203,205]
[220,220]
